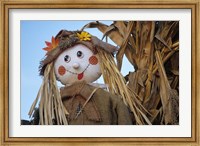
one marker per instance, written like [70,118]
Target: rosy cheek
[61,70]
[93,60]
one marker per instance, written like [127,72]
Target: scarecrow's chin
[81,78]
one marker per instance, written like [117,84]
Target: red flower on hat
[51,45]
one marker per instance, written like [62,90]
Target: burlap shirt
[103,108]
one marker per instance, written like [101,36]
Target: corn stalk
[153,50]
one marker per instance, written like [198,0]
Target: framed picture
[27,25]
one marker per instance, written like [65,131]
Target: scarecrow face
[77,63]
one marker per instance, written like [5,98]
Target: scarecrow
[77,59]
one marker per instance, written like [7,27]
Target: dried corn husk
[153,50]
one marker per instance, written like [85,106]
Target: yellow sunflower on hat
[84,36]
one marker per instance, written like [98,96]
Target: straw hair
[116,84]
[51,108]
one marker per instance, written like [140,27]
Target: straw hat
[66,39]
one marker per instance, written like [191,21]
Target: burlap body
[103,108]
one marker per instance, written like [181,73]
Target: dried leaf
[107,30]
[166,93]
[121,51]
[120,25]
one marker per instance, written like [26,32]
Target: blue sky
[33,36]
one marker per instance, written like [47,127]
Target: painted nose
[76,65]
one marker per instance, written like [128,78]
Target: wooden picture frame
[45,4]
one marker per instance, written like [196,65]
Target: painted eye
[67,58]
[80,54]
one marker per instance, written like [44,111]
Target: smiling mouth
[80,75]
